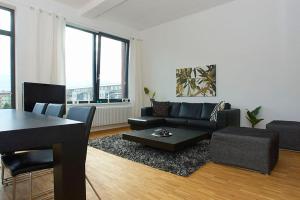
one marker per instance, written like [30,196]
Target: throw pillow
[160,109]
[219,107]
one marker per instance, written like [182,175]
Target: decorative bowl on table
[162,132]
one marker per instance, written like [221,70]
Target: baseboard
[109,127]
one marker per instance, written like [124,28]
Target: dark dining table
[25,130]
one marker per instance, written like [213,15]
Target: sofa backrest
[207,110]
[193,110]
[174,109]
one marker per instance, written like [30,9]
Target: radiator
[111,115]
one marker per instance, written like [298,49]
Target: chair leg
[14,187]
[2,173]
[92,187]
[30,185]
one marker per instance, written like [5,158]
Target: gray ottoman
[255,149]
[289,134]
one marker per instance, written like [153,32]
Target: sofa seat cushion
[190,110]
[147,120]
[176,121]
[202,124]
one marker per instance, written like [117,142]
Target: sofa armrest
[229,117]
[146,111]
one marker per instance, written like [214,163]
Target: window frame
[97,68]
[127,45]
[11,34]
[94,59]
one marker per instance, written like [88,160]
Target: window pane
[112,69]
[79,65]
[5,71]
[5,20]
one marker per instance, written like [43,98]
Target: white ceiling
[74,3]
[140,14]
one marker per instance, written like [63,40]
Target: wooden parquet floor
[116,178]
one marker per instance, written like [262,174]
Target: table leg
[69,168]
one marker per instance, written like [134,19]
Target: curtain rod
[137,39]
[49,12]
[14,5]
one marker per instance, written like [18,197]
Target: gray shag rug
[182,163]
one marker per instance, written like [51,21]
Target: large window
[7,74]
[79,64]
[113,68]
[96,66]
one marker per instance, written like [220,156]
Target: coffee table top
[178,135]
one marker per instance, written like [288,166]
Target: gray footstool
[289,134]
[255,149]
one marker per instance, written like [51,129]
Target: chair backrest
[55,110]
[39,108]
[83,114]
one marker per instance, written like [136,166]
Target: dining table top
[12,120]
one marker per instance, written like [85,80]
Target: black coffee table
[180,139]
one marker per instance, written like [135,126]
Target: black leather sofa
[188,115]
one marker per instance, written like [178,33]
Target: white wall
[255,44]
[24,69]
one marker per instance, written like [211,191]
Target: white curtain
[135,77]
[39,48]
[48,51]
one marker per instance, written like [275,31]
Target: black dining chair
[55,110]
[39,108]
[31,161]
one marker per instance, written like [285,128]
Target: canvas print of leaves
[198,81]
